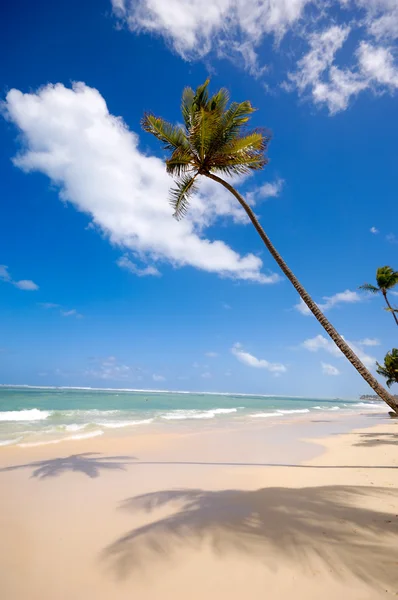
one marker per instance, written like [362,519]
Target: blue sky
[101,287]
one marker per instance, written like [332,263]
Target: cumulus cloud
[235,29]
[373,230]
[125,263]
[319,342]
[328,369]
[110,369]
[22,284]
[196,27]
[48,305]
[71,313]
[346,297]
[156,377]
[94,159]
[257,363]
[369,342]
[267,190]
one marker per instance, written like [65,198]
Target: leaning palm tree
[214,141]
[390,368]
[386,279]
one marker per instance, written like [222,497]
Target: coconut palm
[386,279]
[214,141]
[390,368]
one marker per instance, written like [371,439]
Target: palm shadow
[372,440]
[88,463]
[304,525]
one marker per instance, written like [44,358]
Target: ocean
[31,416]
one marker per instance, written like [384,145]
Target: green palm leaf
[172,136]
[181,194]
[368,287]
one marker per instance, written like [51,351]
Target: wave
[31,414]
[9,442]
[264,414]
[196,414]
[290,412]
[82,436]
[118,424]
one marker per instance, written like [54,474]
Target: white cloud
[392,238]
[235,29]
[22,284]
[48,305]
[369,342]
[109,369]
[226,306]
[26,284]
[156,377]
[71,313]
[373,230]
[206,375]
[211,354]
[393,293]
[94,159]
[195,27]
[4,274]
[126,263]
[319,342]
[323,47]
[328,369]
[346,297]
[257,363]
[267,190]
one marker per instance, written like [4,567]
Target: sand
[202,515]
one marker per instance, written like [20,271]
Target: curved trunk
[390,307]
[328,327]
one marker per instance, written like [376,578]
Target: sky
[101,287]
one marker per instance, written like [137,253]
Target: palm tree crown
[386,279]
[214,139]
[390,368]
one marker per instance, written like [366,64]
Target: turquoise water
[40,415]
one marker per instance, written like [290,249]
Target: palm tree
[390,368]
[212,141]
[386,279]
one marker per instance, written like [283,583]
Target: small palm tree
[214,141]
[386,279]
[390,368]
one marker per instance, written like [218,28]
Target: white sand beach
[202,514]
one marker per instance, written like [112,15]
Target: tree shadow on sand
[88,463]
[307,526]
[372,440]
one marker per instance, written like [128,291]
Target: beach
[303,508]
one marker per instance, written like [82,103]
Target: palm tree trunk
[390,307]
[328,327]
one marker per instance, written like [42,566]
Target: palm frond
[219,101]
[368,287]
[172,136]
[244,161]
[386,277]
[187,111]
[252,141]
[204,132]
[237,115]
[180,195]
[201,97]
[179,162]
